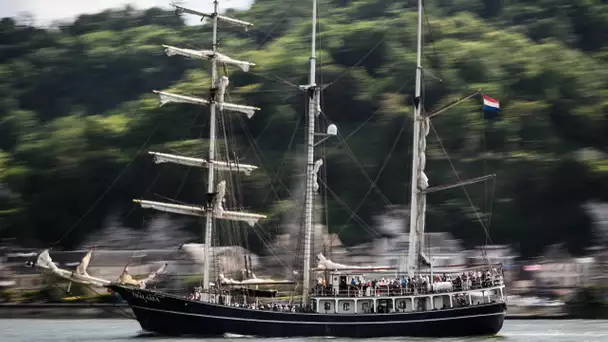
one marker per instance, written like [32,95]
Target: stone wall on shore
[66,311]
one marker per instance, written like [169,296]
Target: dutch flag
[490,104]
[491,107]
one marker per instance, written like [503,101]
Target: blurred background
[77,118]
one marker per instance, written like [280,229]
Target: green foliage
[77,116]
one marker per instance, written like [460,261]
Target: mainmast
[213,208]
[312,167]
[419,178]
[210,174]
[312,92]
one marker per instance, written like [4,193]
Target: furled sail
[218,204]
[423,182]
[80,276]
[199,162]
[252,281]
[326,264]
[166,97]
[232,21]
[315,173]
[126,279]
[218,210]
[207,54]
[84,263]
[222,84]
[248,110]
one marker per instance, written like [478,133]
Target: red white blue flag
[490,104]
[491,107]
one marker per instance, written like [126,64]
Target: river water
[47,330]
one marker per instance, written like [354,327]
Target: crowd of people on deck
[274,307]
[421,284]
[277,307]
[358,287]
[196,294]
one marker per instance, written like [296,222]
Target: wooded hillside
[77,115]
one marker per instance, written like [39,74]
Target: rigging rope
[371,230]
[275,25]
[103,195]
[284,158]
[125,313]
[362,169]
[275,79]
[403,85]
[276,113]
[384,164]
[259,155]
[349,70]
[487,222]
[230,229]
[481,222]
[268,245]
[134,206]
[188,168]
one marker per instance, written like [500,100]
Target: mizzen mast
[213,208]
[419,179]
[420,182]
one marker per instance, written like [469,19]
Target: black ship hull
[171,315]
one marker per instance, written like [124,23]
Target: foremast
[213,208]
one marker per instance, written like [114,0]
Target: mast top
[203,15]
[313,48]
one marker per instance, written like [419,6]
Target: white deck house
[339,297]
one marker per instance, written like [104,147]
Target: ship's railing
[403,290]
[496,268]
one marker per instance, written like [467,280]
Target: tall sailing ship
[347,304]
